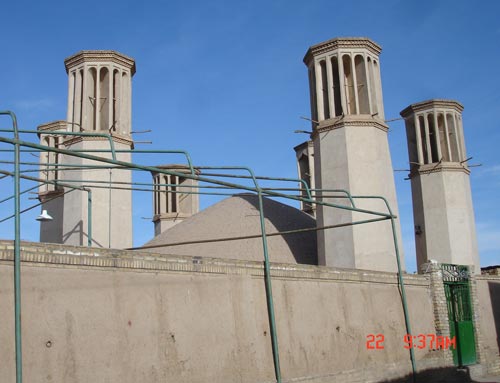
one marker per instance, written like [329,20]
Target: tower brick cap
[431,104]
[342,42]
[100,56]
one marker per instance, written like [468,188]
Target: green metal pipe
[35,205]
[405,304]
[138,151]
[42,181]
[150,190]
[306,187]
[195,177]
[267,278]
[269,293]
[188,176]
[267,267]
[166,184]
[23,192]
[58,165]
[57,183]
[89,218]
[109,210]
[280,233]
[257,188]
[17,249]
[78,134]
[401,282]
[88,167]
[347,193]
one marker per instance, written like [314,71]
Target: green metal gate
[457,290]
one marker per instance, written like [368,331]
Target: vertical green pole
[109,211]
[403,296]
[269,291]
[17,256]
[17,250]
[89,217]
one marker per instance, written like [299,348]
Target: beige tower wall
[51,231]
[442,208]
[111,208]
[356,158]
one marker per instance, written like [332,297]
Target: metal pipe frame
[113,150]
[64,133]
[57,183]
[268,192]
[17,249]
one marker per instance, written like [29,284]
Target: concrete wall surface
[98,315]
[488,307]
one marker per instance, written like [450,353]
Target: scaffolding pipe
[401,283]
[82,188]
[306,187]
[89,218]
[36,205]
[139,151]
[267,270]
[260,191]
[65,133]
[17,249]
[23,192]
[193,177]
[252,236]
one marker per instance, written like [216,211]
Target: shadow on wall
[436,375]
[495,305]
[83,237]
[78,230]
[284,218]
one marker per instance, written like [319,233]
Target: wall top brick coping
[55,255]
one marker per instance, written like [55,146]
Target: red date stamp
[375,341]
[421,341]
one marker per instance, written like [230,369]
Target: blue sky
[225,80]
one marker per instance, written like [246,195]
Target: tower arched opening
[349,85]
[362,84]
[336,86]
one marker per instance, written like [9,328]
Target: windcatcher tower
[175,197]
[99,101]
[50,194]
[305,168]
[351,151]
[442,203]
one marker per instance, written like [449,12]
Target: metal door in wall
[460,314]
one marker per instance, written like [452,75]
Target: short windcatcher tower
[442,203]
[175,197]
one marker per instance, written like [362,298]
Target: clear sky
[225,80]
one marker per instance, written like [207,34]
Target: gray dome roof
[223,224]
